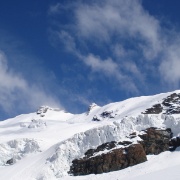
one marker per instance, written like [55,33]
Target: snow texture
[17,149]
[42,145]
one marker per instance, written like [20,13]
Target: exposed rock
[115,159]
[108,146]
[10,161]
[42,109]
[125,143]
[133,135]
[173,98]
[107,114]
[103,115]
[174,143]
[95,118]
[110,156]
[170,105]
[156,109]
[156,140]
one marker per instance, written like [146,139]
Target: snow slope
[164,166]
[43,144]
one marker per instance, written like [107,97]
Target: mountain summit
[53,144]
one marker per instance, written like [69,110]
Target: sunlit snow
[43,144]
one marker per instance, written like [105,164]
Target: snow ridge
[63,137]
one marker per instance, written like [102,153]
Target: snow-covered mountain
[43,145]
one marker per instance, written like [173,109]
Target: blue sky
[69,53]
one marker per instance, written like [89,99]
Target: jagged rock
[156,109]
[10,161]
[156,140]
[174,143]
[95,118]
[173,98]
[133,135]
[108,146]
[125,143]
[107,114]
[42,109]
[109,157]
[114,160]
[170,105]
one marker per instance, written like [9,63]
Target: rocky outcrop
[95,118]
[155,141]
[156,109]
[113,160]
[106,146]
[104,115]
[10,161]
[107,114]
[172,104]
[44,109]
[174,143]
[112,156]
[169,105]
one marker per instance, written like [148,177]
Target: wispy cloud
[55,8]
[123,19]
[169,67]
[17,94]
[136,42]
[110,69]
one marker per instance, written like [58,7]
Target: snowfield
[163,166]
[42,145]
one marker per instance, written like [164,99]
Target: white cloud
[8,80]
[132,68]
[119,51]
[17,94]
[119,18]
[109,68]
[170,65]
[137,42]
[68,40]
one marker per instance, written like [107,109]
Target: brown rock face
[156,140]
[96,161]
[114,160]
